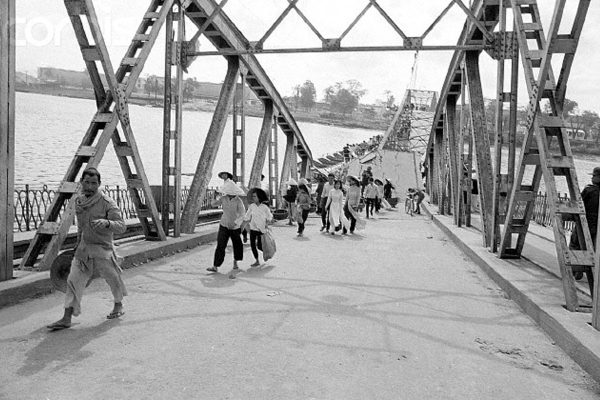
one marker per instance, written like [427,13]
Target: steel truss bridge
[511,32]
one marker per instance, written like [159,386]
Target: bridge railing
[30,204]
[541,211]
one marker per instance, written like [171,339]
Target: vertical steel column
[445,178]
[264,140]
[178,126]
[438,149]
[210,149]
[167,132]
[467,159]
[171,195]
[500,97]
[294,157]
[239,131]
[512,121]
[455,167]
[274,191]
[7,135]
[304,168]
[482,143]
[286,169]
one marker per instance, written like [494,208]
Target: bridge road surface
[394,312]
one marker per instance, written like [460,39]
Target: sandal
[212,269]
[115,314]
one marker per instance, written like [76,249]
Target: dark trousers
[370,204]
[255,242]
[377,204]
[222,239]
[350,218]
[418,201]
[324,212]
[303,216]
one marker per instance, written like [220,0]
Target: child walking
[257,217]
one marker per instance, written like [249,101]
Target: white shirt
[258,217]
[326,189]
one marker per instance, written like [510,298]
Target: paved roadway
[395,312]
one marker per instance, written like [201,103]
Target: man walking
[98,218]
[590,196]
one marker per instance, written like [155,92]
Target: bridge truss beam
[505,220]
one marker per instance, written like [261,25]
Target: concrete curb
[38,284]
[520,280]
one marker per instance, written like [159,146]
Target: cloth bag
[268,245]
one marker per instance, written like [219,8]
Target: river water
[49,129]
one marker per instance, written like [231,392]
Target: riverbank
[209,105]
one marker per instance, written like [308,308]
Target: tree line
[342,97]
[585,121]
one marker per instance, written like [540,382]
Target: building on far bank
[58,77]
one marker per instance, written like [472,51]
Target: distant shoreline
[250,110]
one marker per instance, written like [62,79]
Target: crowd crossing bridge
[509,31]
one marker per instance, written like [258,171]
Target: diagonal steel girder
[486,11]
[224,35]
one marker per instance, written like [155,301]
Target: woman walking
[352,201]
[387,190]
[290,198]
[335,203]
[257,217]
[303,203]
[229,227]
[379,187]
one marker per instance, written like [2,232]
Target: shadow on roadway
[61,347]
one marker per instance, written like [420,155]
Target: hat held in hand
[231,189]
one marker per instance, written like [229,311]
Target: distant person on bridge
[370,193]
[303,201]
[366,175]
[230,225]
[352,202]
[290,198]
[327,188]
[387,190]
[335,204]
[590,196]
[418,195]
[257,217]
[379,187]
[98,218]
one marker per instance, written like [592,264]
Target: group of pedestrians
[236,219]
[99,218]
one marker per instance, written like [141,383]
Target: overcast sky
[45,38]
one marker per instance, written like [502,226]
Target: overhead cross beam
[223,34]
[335,44]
